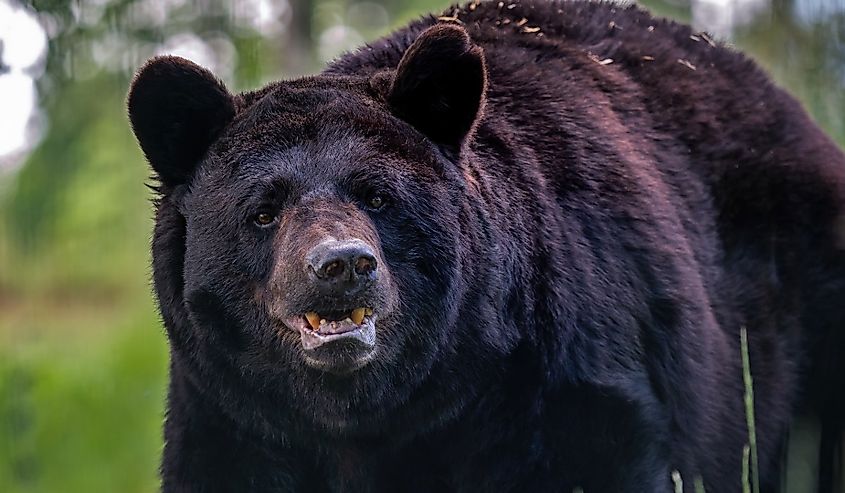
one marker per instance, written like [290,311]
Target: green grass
[749,419]
[85,414]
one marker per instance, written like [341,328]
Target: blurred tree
[807,56]
[300,43]
[3,67]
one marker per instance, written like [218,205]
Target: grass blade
[698,485]
[749,412]
[678,482]
[746,487]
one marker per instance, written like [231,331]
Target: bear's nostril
[332,269]
[342,266]
[365,265]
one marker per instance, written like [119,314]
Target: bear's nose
[342,267]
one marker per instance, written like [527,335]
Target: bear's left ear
[177,110]
[440,85]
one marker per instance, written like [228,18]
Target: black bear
[509,249]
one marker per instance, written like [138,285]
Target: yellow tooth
[357,316]
[313,320]
[368,311]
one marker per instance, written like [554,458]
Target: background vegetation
[83,359]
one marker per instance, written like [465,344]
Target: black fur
[578,221]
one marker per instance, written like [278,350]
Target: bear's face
[318,222]
[330,233]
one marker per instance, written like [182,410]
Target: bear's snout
[341,268]
[330,284]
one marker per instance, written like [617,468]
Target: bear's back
[646,112]
[718,132]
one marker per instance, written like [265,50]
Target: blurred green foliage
[83,357]
[84,414]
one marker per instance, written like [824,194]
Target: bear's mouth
[337,322]
[318,329]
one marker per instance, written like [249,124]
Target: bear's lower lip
[334,330]
[339,349]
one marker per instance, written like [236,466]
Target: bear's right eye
[264,219]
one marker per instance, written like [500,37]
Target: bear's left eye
[376,201]
[264,219]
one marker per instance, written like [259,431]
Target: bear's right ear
[177,110]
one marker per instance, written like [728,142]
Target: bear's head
[314,242]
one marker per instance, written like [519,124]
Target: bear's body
[583,210]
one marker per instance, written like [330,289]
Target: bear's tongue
[342,324]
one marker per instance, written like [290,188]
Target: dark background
[83,359]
